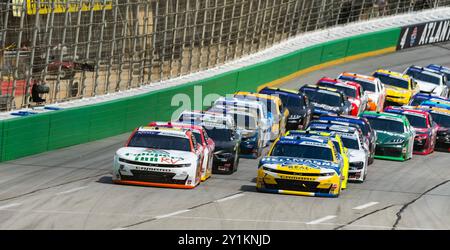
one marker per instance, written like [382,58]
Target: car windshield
[417,101]
[350,143]
[367,86]
[302,151]
[292,103]
[268,103]
[348,91]
[417,121]
[392,81]
[441,119]
[244,121]
[157,141]
[219,134]
[386,125]
[322,97]
[423,76]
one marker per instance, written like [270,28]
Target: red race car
[352,90]
[426,129]
[206,143]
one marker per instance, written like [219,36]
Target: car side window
[194,142]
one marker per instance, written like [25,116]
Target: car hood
[426,87]
[318,106]
[225,146]
[280,161]
[156,156]
[395,91]
[385,137]
[356,155]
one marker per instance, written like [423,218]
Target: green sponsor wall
[30,135]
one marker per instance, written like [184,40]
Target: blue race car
[418,98]
[300,109]
[436,104]
[347,120]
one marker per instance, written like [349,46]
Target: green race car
[395,136]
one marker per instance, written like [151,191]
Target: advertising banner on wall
[58,6]
[423,34]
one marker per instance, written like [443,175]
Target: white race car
[358,156]
[372,87]
[429,80]
[162,157]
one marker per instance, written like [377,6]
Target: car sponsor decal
[155,156]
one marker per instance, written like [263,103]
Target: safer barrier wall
[48,131]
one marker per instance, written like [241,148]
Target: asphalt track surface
[71,188]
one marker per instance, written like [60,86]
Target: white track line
[328,217]
[171,214]
[366,205]
[119,228]
[229,197]
[72,190]
[9,206]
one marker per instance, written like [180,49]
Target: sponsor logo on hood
[155,156]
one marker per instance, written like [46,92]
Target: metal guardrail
[85,48]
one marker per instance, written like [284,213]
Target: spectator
[36,90]
[382,7]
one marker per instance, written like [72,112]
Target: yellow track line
[325,65]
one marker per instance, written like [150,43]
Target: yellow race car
[278,112]
[338,144]
[301,166]
[399,87]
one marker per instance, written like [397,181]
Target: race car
[249,127]
[301,166]
[436,104]
[417,99]
[338,145]
[161,157]
[444,70]
[226,139]
[442,118]
[197,117]
[300,110]
[256,107]
[429,80]
[326,100]
[426,129]
[201,137]
[349,121]
[275,108]
[372,87]
[357,151]
[352,91]
[395,136]
[399,87]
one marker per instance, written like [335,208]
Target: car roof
[331,91]
[426,71]
[384,115]
[298,140]
[343,118]
[176,125]
[257,95]
[345,84]
[439,68]
[288,92]
[369,79]
[331,126]
[167,131]
[403,110]
[394,74]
